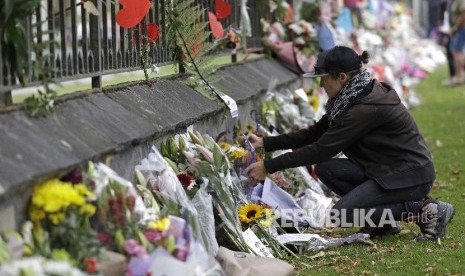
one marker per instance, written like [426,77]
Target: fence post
[6,98]
[234,55]
[182,69]
[95,46]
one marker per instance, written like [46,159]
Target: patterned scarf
[348,94]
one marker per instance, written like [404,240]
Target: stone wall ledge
[120,122]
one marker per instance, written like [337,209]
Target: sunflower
[224,145]
[250,128]
[250,212]
[237,153]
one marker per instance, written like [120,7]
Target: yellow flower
[237,153]
[224,145]
[250,128]
[268,213]
[315,102]
[53,206]
[250,212]
[265,223]
[159,225]
[36,214]
[87,209]
[267,217]
[56,218]
[55,196]
[82,190]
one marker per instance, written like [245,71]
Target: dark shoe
[434,217]
[381,231]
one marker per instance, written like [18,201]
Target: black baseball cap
[337,59]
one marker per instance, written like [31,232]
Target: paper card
[232,105]
[296,238]
[255,244]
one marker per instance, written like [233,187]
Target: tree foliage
[187,38]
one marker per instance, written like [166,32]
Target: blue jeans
[360,194]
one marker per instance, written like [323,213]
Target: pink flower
[133,248]
[181,253]
[153,236]
[280,180]
[192,159]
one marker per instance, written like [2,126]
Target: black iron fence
[89,45]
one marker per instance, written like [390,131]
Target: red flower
[185,180]
[104,238]
[116,210]
[90,265]
[152,33]
[74,177]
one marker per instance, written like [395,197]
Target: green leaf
[217,156]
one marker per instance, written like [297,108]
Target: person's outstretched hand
[256,172]
[257,142]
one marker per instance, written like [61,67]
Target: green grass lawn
[441,120]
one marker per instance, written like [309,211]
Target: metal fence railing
[92,46]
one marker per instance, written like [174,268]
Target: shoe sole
[446,214]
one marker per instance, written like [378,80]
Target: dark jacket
[376,131]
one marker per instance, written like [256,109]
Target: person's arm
[460,21]
[297,139]
[358,121]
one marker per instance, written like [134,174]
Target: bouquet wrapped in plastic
[157,177]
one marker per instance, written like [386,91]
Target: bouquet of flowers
[121,211]
[176,251]
[157,175]
[304,37]
[257,220]
[212,169]
[60,213]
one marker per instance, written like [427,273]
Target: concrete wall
[118,126]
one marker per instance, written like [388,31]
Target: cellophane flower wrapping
[121,210]
[164,181]
[177,252]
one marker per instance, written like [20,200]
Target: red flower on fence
[152,31]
